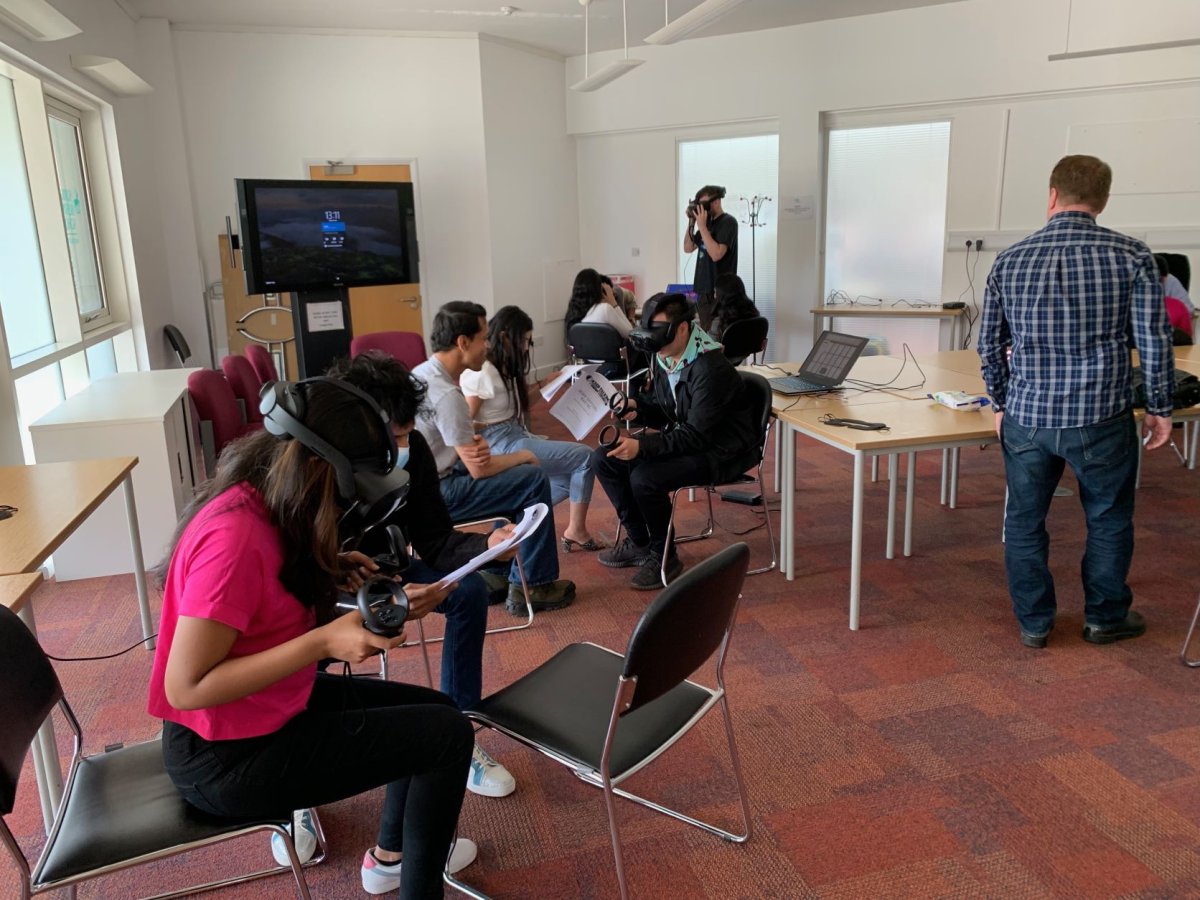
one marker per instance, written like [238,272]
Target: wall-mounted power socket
[538,340]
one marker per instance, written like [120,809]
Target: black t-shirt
[724,230]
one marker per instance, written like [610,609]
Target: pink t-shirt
[226,568]
[1178,315]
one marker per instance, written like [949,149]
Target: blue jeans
[507,494]
[1104,458]
[568,465]
[466,611]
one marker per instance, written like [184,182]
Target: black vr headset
[653,336]
[370,489]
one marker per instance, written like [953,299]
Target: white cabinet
[144,414]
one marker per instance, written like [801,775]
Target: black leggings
[355,735]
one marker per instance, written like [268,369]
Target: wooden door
[385,307]
[256,314]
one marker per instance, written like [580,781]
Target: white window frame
[57,109]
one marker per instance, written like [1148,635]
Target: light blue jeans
[568,465]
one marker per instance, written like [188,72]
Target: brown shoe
[544,597]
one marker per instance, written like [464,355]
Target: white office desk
[144,414]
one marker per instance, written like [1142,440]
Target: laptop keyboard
[794,384]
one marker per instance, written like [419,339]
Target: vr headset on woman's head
[371,490]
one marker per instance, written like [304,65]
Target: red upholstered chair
[246,384]
[263,362]
[406,346]
[218,410]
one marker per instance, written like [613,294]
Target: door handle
[414,302]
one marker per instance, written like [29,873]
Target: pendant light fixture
[613,70]
[692,21]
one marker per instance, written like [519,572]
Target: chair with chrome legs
[119,808]
[605,715]
[1187,640]
[758,396]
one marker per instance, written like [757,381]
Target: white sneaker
[304,833]
[487,777]
[381,878]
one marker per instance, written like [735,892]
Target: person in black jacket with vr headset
[702,432]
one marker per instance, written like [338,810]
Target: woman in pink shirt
[248,612]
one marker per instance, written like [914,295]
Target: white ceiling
[554,25]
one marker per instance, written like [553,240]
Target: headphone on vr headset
[372,490]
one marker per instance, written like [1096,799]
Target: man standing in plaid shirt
[1070,301]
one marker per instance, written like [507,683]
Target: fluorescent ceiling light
[112,73]
[695,20]
[613,70]
[37,20]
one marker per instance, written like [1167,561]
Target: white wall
[983,62]
[531,189]
[258,105]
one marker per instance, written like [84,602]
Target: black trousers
[640,490]
[355,735]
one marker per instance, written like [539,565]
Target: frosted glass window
[101,360]
[77,214]
[885,211]
[24,304]
[37,393]
[746,167]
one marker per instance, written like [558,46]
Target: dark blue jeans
[466,611]
[507,494]
[1104,458]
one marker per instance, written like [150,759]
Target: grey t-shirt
[444,421]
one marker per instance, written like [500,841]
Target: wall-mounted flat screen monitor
[307,235]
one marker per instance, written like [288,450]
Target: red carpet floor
[927,755]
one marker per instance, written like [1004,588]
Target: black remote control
[383,606]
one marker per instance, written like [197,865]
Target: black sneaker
[649,576]
[544,597]
[497,586]
[1133,626]
[624,555]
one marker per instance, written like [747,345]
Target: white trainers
[382,878]
[487,777]
[303,833]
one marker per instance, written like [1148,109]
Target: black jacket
[709,414]
[424,518]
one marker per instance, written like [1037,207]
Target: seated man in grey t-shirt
[476,483]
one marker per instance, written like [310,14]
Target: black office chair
[119,808]
[746,338]
[178,343]
[758,396]
[597,342]
[605,716]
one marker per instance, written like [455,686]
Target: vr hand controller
[383,606]
[611,433]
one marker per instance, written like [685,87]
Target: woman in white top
[594,301]
[498,397]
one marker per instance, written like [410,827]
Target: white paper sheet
[584,404]
[530,520]
[551,388]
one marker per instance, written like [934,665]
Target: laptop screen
[832,358]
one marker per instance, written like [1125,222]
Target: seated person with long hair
[248,592]
[425,522]
[592,300]
[498,398]
[730,304]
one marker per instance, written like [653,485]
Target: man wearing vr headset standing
[704,433]
[714,233]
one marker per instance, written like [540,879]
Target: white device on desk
[826,366]
[144,414]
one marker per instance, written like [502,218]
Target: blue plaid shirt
[1071,300]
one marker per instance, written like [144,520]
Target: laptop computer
[826,367]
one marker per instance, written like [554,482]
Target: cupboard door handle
[179,463]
